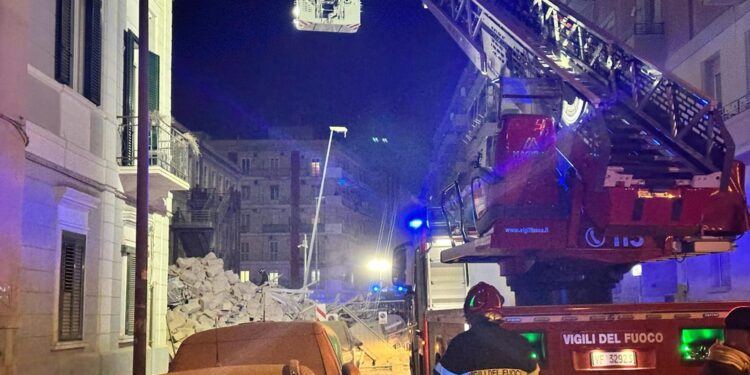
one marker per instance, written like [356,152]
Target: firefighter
[732,357]
[486,348]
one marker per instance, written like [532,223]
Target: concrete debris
[202,295]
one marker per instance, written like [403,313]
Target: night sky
[240,68]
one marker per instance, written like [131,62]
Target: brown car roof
[259,343]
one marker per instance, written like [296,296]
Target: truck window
[695,342]
[538,347]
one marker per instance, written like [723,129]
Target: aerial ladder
[608,162]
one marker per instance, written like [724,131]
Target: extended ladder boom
[657,130]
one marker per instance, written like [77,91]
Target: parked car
[262,348]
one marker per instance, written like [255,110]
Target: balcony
[308,228]
[268,172]
[275,228]
[736,107]
[736,115]
[648,28]
[168,160]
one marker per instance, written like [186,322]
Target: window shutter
[93,52]
[129,253]
[128,144]
[64,41]
[70,325]
[153,81]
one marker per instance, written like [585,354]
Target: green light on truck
[696,341]
[536,339]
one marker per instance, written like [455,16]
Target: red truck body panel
[635,339]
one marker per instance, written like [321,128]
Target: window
[648,11]
[70,314]
[273,250]
[246,192]
[244,276]
[721,271]
[78,46]
[712,76]
[279,217]
[273,278]
[130,96]
[273,163]
[747,60]
[315,191]
[315,275]
[315,167]
[274,192]
[245,251]
[128,264]
[245,223]
[245,166]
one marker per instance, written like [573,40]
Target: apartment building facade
[279,184]
[207,217]
[72,299]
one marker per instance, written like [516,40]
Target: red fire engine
[596,160]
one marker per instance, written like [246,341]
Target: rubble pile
[202,296]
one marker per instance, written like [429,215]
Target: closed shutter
[70,325]
[153,81]
[93,52]
[128,136]
[64,41]
[129,254]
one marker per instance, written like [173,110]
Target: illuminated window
[315,275]
[273,278]
[315,167]
[244,276]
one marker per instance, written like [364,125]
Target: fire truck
[594,160]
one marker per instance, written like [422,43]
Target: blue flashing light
[416,223]
[375,288]
[400,289]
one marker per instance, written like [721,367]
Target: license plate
[623,358]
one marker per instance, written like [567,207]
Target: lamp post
[308,259]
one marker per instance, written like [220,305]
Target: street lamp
[308,260]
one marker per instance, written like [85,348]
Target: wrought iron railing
[267,172]
[275,228]
[736,107]
[168,147]
[648,28]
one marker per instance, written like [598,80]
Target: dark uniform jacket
[718,368]
[487,346]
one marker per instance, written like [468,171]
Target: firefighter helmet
[483,298]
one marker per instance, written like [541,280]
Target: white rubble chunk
[182,334]
[191,307]
[186,263]
[176,319]
[232,277]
